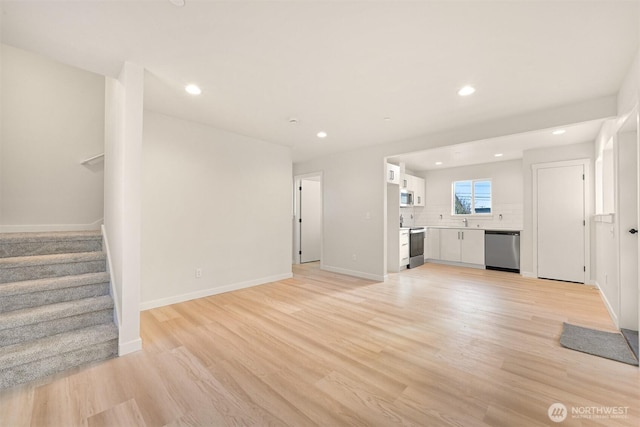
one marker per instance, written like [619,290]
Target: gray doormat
[610,345]
[632,339]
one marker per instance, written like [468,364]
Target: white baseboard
[528,274]
[457,264]
[147,305]
[354,273]
[612,313]
[129,347]
[113,289]
[51,227]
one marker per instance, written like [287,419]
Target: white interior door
[627,213]
[560,223]
[310,216]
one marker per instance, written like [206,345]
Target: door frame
[295,253]
[586,163]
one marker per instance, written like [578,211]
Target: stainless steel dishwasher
[502,250]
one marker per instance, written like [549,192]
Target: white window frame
[473,196]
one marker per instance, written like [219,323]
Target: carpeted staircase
[55,309]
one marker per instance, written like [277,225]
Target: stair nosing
[53,283]
[27,352]
[49,236]
[51,259]
[50,312]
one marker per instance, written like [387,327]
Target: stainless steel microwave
[406,198]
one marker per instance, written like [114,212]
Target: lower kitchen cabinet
[404,247]
[432,244]
[472,247]
[458,245]
[450,244]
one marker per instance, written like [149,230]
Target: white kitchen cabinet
[450,244]
[462,245]
[406,181]
[418,188]
[472,247]
[404,248]
[416,185]
[432,244]
[393,174]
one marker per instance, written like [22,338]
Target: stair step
[35,323]
[31,244]
[34,293]
[55,309]
[27,361]
[17,269]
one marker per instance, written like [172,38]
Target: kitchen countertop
[473,228]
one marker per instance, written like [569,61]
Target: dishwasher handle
[503,232]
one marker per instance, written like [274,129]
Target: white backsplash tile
[440,215]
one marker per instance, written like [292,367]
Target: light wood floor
[432,346]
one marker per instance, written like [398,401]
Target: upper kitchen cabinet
[393,174]
[405,182]
[416,185]
[418,190]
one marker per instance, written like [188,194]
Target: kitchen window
[471,197]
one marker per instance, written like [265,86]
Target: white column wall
[123,171]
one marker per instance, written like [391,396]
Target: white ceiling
[341,67]
[511,147]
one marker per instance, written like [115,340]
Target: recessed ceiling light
[387,119]
[498,155]
[178,3]
[293,120]
[558,132]
[438,163]
[193,89]
[466,90]
[322,134]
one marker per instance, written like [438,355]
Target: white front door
[561,222]
[310,217]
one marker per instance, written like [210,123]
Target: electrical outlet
[354,257]
[198,273]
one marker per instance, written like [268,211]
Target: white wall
[122,194]
[53,118]
[354,212]
[628,93]
[215,201]
[506,187]
[548,155]
[609,265]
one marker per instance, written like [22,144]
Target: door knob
[633,231]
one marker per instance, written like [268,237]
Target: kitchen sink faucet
[465,221]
